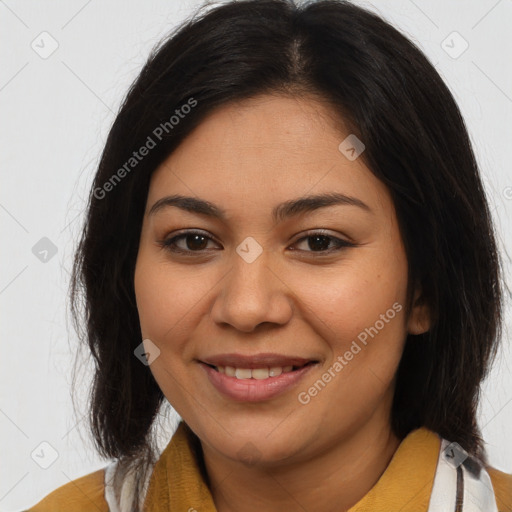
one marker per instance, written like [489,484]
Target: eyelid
[340,243]
[165,241]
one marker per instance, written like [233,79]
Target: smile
[256,373]
[255,384]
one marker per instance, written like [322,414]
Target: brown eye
[321,243]
[190,242]
[187,242]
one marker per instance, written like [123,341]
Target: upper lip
[262,360]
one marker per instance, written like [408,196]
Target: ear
[419,318]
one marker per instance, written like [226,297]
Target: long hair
[391,97]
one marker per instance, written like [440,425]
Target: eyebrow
[280,212]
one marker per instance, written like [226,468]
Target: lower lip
[254,390]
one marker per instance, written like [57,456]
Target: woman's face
[250,283]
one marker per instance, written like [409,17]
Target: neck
[334,480]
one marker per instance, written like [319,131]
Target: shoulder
[502,484]
[80,495]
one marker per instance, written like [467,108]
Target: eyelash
[170,243]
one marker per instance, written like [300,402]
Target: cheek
[361,317]
[359,310]
[165,305]
[165,298]
[354,298]
[152,301]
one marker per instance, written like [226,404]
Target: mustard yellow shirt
[404,486]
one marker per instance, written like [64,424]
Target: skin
[246,158]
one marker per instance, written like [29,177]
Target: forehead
[266,150]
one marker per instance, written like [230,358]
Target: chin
[261,451]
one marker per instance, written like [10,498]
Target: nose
[251,294]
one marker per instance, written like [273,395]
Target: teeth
[275,371]
[243,373]
[260,373]
[255,373]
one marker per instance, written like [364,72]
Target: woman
[288,241]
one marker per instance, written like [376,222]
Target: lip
[262,360]
[255,390]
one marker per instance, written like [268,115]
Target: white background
[55,115]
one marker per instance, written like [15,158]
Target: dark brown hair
[390,96]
